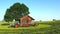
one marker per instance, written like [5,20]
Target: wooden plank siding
[26,20]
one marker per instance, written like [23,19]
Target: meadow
[47,27]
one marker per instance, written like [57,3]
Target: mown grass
[52,27]
[3,26]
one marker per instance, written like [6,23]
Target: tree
[8,16]
[17,10]
[40,20]
[54,19]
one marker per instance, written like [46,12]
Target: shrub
[5,24]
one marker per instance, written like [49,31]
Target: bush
[5,24]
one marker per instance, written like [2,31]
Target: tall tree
[17,10]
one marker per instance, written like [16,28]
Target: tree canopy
[17,10]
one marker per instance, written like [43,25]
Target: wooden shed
[24,21]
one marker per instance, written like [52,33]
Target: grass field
[52,27]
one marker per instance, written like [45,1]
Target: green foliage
[54,19]
[8,17]
[5,24]
[17,10]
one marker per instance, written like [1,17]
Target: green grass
[21,30]
[31,27]
[50,27]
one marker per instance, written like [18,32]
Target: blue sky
[39,9]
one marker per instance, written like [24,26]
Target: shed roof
[25,16]
[31,17]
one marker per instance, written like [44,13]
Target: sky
[39,9]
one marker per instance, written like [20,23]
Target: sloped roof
[25,16]
[31,17]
